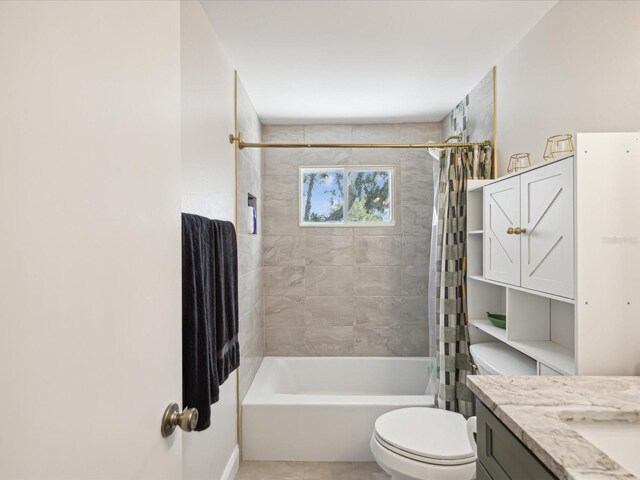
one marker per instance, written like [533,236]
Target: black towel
[210,350]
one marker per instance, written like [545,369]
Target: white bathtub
[324,408]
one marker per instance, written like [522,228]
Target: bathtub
[324,408]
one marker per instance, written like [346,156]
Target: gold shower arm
[242,144]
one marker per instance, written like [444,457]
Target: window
[350,196]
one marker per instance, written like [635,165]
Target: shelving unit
[539,324]
[567,282]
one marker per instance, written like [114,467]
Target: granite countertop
[535,409]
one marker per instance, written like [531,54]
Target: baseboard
[233,465]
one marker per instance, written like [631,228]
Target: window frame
[345,192]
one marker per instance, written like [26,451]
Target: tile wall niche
[347,291]
[250,271]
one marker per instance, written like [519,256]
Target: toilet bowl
[422,443]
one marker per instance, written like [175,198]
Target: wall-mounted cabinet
[528,225]
[523,273]
[501,214]
[566,279]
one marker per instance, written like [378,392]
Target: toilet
[420,443]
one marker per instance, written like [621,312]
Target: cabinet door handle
[519,230]
[510,231]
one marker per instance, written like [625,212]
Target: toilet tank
[497,358]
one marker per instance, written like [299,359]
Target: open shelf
[474,210]
[540,327]
[474,256]
[476,232]
[551,354]
[487,327]
[485,297]
[480,278]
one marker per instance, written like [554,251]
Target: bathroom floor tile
[252,470]
[343,471]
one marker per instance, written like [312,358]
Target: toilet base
[401,468]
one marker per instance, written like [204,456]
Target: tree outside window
[368,192]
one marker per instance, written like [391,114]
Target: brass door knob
[519,230]
[510,231]
[172,418]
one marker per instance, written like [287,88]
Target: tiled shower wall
[473,117]
[250,271]
[340,290]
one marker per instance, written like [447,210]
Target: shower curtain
[448,328]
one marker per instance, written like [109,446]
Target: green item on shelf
[497,319]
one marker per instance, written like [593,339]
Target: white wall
[89,239]
[208,189]
[578,70]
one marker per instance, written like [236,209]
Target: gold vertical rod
[235,155]
[495,126]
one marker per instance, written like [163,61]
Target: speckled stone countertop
[536,409]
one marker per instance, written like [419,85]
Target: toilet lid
[426,434]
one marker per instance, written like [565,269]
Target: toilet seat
[422,459]
[426,435]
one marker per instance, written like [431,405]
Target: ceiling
[363,61]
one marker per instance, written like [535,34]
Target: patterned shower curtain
[451,328]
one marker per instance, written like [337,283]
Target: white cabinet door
[501,249]
[546,199]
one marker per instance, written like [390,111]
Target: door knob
[172,418]
[519,230]
[510,231]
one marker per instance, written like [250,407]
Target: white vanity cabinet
[528,229]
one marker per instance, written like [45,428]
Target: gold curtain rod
[242,144]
